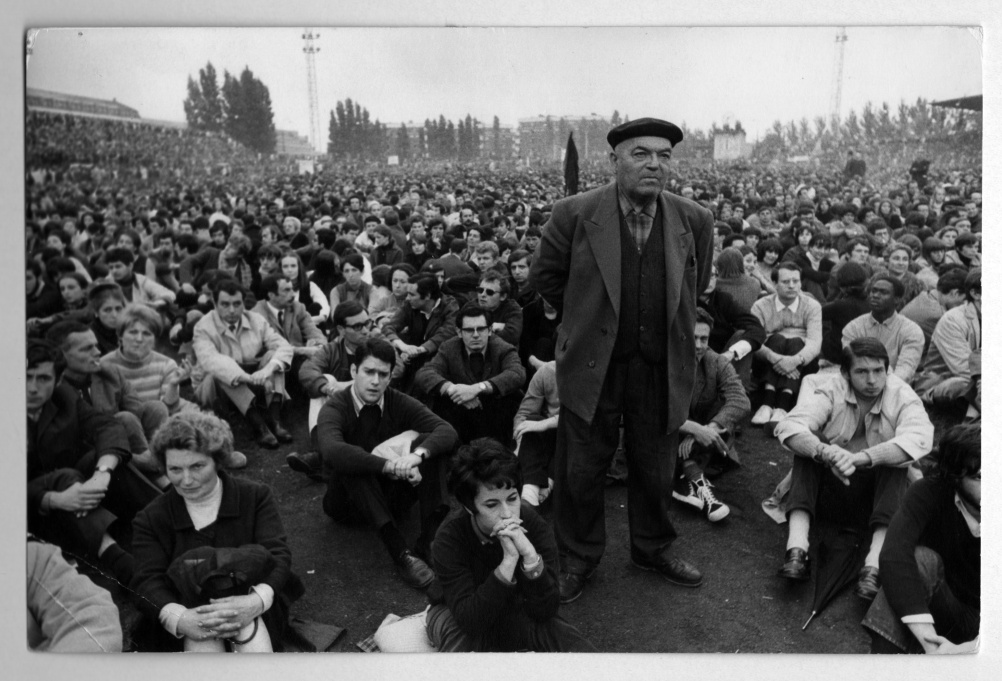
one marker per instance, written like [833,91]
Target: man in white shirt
[863,426]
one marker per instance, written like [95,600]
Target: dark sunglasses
[487,291]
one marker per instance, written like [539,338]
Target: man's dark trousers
[637,393]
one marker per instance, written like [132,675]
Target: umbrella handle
[804,628]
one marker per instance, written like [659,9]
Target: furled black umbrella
[571,167]
[840,556]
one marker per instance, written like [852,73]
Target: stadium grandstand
[57,102]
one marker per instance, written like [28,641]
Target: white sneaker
[762,416]
[689,497]
[715,510]
[777,415]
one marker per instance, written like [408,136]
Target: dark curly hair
[195,431]
[959,453]
[484,461]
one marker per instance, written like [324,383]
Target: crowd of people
[451,338]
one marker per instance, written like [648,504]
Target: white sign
[306,166]
[393,161]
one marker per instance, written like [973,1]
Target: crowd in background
[137,235]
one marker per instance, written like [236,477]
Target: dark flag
[571,167]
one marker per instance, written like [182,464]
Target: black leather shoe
[869,583]
[281,434]
[308,463]
[262,433]
[572,585]
[272,416]
[675,570]
[414,571]
[797,566]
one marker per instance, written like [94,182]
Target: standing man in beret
[624,263]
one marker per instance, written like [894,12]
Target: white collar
[359,402]
[793,307]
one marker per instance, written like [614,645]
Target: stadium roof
[972,103]
[60,96]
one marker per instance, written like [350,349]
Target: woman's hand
[226,616]
[198,627]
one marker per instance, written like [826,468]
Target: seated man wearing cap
[624,264]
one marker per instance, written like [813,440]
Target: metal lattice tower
[836,104]
[311,76]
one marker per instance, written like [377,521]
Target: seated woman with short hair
[209,518]
[496,562]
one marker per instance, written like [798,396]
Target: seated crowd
[398,319]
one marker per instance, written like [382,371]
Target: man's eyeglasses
[487,291]
[367,324]
[478,330]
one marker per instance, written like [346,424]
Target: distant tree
[203,108]
[869,121]
[338,131]
[449,141]
[615,120]
[462,139]
[248,115]
[903,119]
[851,127]
[421,142]
[804,131]
[820,127]
[496,139]
[403,143]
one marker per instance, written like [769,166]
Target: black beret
[645,127]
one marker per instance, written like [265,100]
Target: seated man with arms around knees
[536,433]
[242,356]
[106,389]
[865,426]
[476,379]
[718,403]
[69,440]
[418,328]
[792,322]
[496,561]
[946,373]
[289,318]
[931,560]
[327,372]
[377,490]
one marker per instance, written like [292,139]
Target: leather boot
[264,436]
[272,418]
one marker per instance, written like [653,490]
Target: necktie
[477,365]
[281,318]
[233,328]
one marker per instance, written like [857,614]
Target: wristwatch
[105,469]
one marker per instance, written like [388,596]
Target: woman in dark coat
[207,508]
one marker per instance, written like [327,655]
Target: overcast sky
[694,75]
